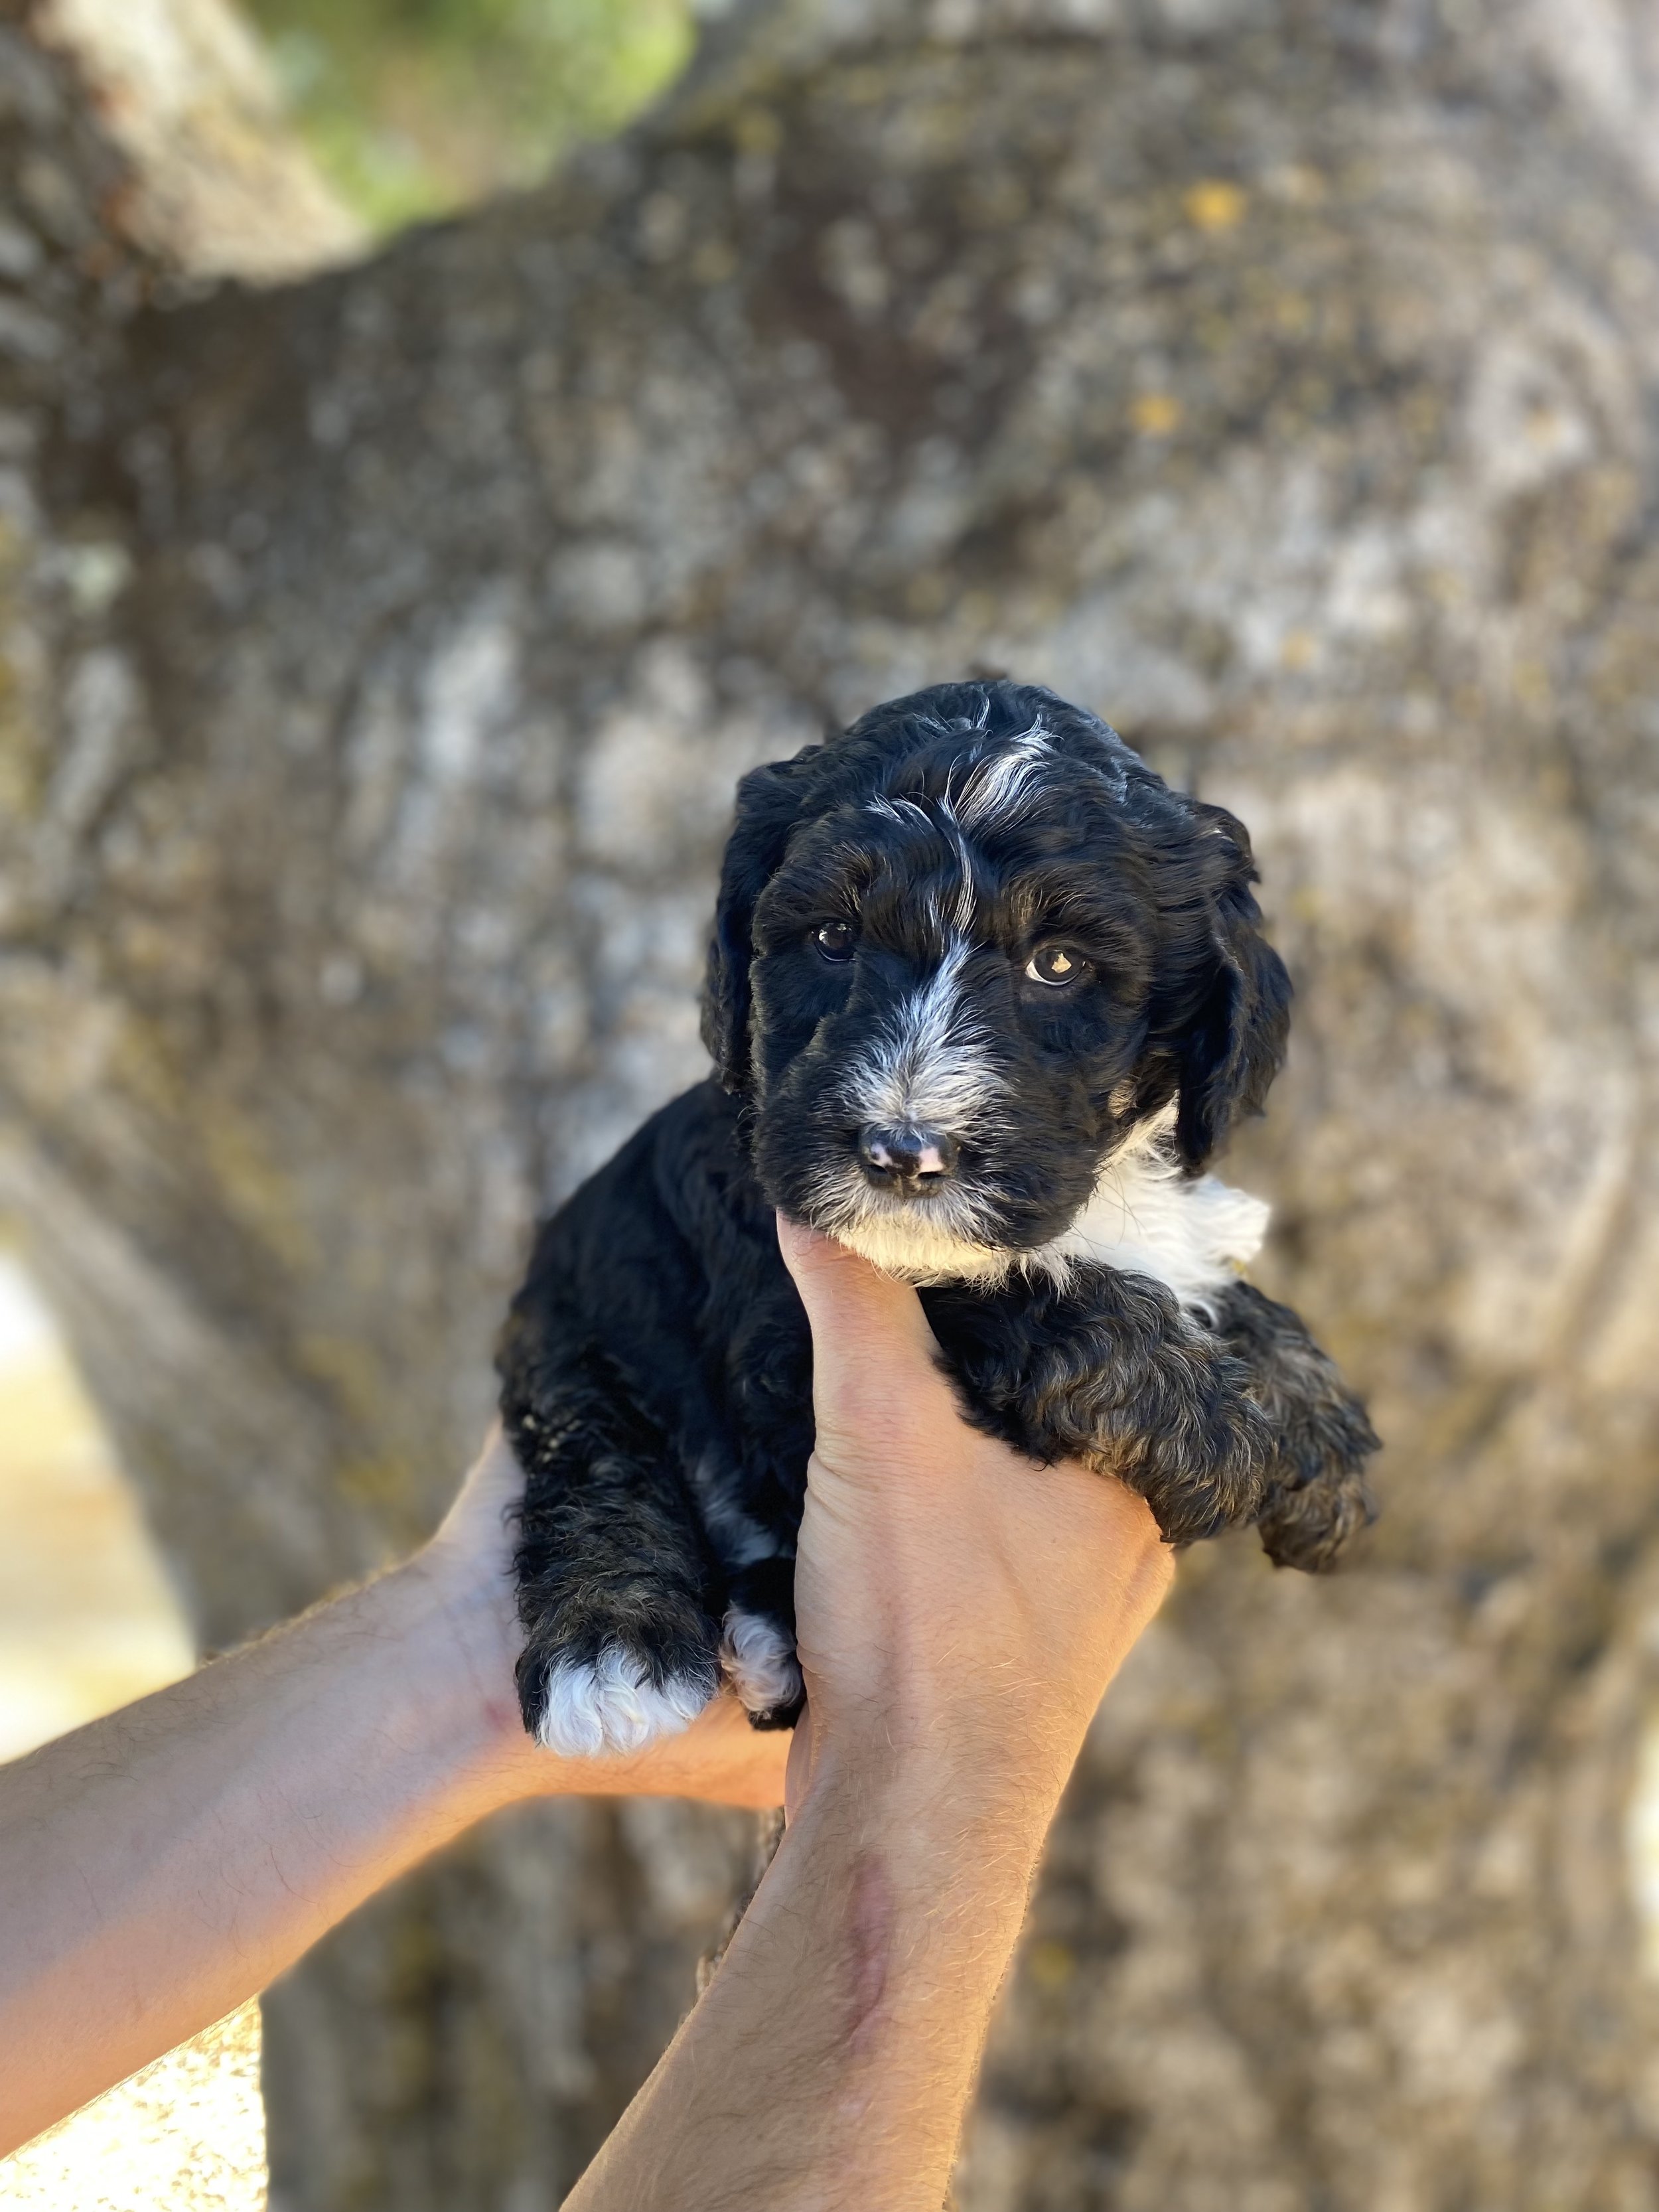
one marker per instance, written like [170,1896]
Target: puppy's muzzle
[907,1161]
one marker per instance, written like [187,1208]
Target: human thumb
[871,1347]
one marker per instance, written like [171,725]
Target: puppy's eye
[1054,965]
[834,940]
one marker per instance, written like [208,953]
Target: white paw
[613,1705]
[759,1660]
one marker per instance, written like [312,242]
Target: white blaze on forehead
[932,1065]
[941,823]
[997,788]
[1002,786]
[962,915]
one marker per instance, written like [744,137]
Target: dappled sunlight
[87,1624]
[87,1621]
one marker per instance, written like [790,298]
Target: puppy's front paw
[1317,1496]
[606,1672]
[1107,1369]
[612,1702]
[1169,1412]
[759,1656]
[1198,1449]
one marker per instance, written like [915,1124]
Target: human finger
[871,1347]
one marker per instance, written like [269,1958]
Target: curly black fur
[1315,1496]
[974,966]
[1106,1371]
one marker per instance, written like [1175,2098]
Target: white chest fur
[1146,1218]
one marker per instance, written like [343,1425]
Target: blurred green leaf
[415,107]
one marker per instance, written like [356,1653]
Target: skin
[961,1613]
[161,1866]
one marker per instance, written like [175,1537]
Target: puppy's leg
[615,1586]
[757,1643]
[1316,1496]
[1110,1371]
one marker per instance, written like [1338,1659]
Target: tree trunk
[1279,380]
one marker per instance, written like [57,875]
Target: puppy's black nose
[906,1159]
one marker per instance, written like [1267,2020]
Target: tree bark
[1279,380]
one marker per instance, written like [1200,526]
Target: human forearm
[161,1865]
[959,1614]
[827,2068]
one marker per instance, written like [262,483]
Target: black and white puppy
[984,996]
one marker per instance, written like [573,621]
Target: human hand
[959,1613]
[160,1865]
[956,1603]
[469,1563]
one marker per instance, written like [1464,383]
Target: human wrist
[466,1632]
[448,1649]
[955,1787]
[967,1713]
[916,1866]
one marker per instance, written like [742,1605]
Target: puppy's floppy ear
[771,800]
[1235,1045]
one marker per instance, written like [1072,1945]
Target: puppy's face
[975,962]
[949,1007]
